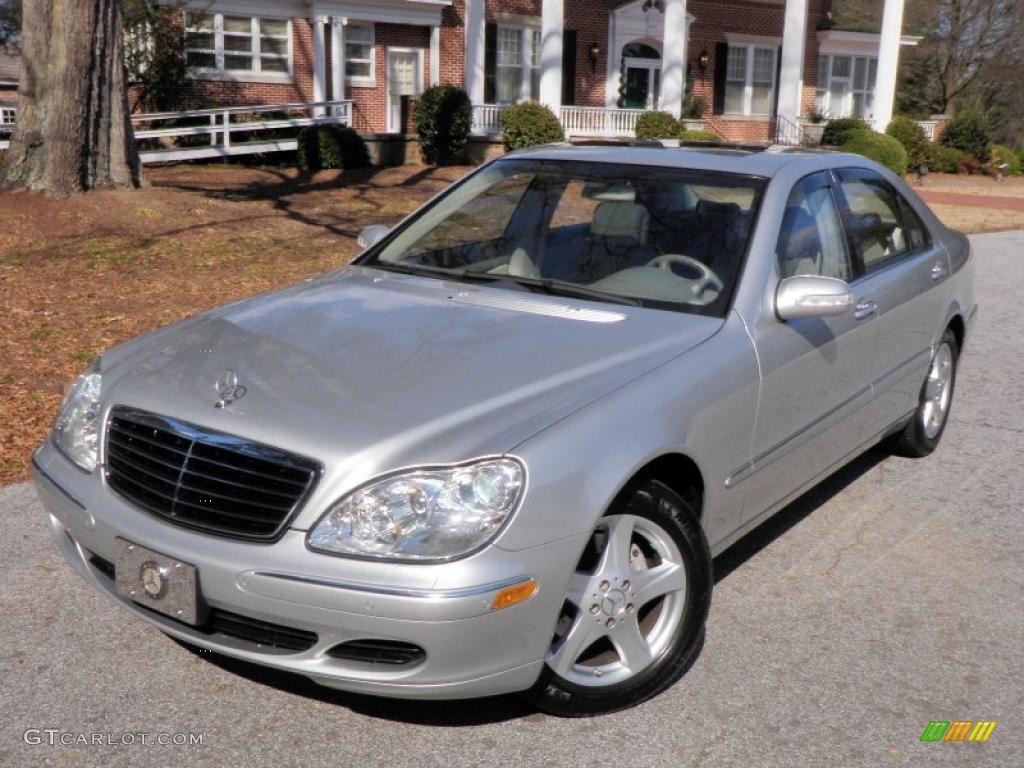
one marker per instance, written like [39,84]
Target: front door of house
[642,83]
[403,80]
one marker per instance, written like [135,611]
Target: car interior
[651,237]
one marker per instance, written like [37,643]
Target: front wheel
[924,430]
[633,618]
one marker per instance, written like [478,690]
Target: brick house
[10,73]
[759,67]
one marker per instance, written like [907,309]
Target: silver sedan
[499,451]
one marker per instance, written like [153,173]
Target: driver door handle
[865,308]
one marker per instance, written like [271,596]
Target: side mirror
[812,296]
[371,235]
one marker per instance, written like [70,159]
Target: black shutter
[569,67]
[491,64]
[721,65]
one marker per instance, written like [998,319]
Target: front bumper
[445,609]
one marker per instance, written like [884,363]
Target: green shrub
[693,108]
[969,132]
[331,146]
[920,151]
[657,125]
[528,124]
[697,136]
[838,132]
[1002,154]
[948,159]
[444,117]
[880,148]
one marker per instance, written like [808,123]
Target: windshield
[651,236]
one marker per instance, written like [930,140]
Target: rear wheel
[924,430]
[633,617]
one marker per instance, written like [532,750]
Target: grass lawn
[81,275]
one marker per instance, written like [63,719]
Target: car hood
[368,371]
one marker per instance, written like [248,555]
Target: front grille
[198,478]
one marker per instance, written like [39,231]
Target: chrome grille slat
[200,478]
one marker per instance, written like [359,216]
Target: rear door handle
[865,308]
[938,270]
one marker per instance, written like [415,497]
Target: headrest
[620,219]
[710,209]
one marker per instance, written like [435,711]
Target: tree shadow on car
[787,517]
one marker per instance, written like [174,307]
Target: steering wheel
[707,277]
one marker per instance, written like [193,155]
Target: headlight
[76,431]
[430,514]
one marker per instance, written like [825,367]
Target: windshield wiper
[547,285]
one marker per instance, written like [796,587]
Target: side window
[917,234]
[876,225]
[811,240]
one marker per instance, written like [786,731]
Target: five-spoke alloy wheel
[633,617]
[922,433]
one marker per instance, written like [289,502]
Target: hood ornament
[229,389]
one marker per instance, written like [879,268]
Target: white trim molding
[856,43]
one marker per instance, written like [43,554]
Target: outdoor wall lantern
[702,61]
[595,51]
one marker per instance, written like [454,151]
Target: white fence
[928,126]
[160,133]
[218,125]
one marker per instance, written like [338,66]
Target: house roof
[10,65]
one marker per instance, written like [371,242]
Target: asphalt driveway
[890,596]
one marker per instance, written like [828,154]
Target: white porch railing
[599,121]
[219,124]
[576,121]
[487,118]
[928,126]
[7,118]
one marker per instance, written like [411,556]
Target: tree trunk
[73,132]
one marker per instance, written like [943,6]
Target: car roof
[748,160]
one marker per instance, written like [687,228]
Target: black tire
[913,441]
[659,504]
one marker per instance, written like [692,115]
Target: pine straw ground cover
[81,275]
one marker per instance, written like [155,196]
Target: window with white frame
[517,64]
[359,54]
[846,85]
[750,80]
[243,45]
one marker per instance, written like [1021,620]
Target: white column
[476,36]
[552,30]
[319,63]
[435,55]
[673,57]
[791,74]
[338,58]
[888,61]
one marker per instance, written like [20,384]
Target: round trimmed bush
[880,148]
[697,136]
[528,124]
[331,146]
[948,159]
[444,117]
[838,132]
[920,151]
[657,125]
[1003,154]
[969,132]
